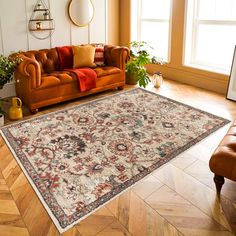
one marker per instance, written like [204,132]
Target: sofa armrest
[116,56]
[29,69]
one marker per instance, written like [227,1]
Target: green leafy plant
[7,67]
[2,112]
[140,55]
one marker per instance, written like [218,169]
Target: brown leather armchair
[39,82]
[223,160]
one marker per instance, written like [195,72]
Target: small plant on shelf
[140,55]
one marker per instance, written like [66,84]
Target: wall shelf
[41,20]
[44,9]
[41,29]
[41,24]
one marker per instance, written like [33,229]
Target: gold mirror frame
[72,18]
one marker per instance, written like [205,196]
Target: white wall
[14,34]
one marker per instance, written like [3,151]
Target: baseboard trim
[200,80]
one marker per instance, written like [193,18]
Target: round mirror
[81,12]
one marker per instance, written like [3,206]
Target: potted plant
[1,115]
[135,67]
[7,66]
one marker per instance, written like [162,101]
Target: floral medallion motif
[79,158]
[120,147]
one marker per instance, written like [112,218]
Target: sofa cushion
[65,56]
[99,59]
[83,56]
[56,78]
[106,70]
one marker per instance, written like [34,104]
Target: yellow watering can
[15,111]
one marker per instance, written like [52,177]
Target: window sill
[207,69]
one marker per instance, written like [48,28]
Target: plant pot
[1,119]
[131,79]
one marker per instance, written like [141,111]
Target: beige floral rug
[79,158]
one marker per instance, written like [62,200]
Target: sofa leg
[121,87]
[34,111]
[219,181]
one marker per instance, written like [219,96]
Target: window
[210,34]
[151,23]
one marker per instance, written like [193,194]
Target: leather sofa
[39,82]
[223,160]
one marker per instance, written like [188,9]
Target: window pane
[210,34]
[155,9]
[206,9]
[233,10]
[156,34]
[150,23]
[215,45]
[217,9]
[223,9]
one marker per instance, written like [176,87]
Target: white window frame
[196,22]
[140,19]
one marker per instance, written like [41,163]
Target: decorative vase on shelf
[1,119]
[157,79]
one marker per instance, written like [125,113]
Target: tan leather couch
[223,160]
[40,83]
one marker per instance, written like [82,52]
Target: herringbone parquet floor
[177,199]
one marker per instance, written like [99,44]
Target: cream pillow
[83,56]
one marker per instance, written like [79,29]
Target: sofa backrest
[114,57]
[47,59]
[108,55]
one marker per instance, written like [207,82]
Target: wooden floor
[177,199]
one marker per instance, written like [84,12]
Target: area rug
[79,158]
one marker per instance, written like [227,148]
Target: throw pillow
[65,55]
[99,55]
[83,56]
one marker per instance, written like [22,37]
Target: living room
[84,151]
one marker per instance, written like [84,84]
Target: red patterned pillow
[99,55]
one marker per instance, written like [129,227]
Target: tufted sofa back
[47,59]
[114,57]
[108,55]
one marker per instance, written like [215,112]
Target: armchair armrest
[116,56]
[30,69]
